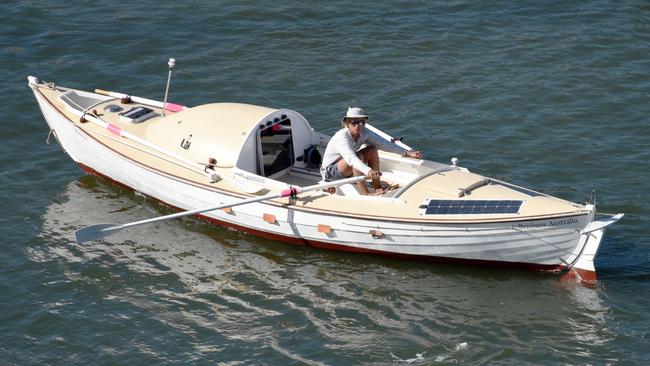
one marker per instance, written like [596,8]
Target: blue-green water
[551,95]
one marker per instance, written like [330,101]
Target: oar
[98,231]
[169,106]
[387,137]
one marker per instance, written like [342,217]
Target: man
[343,158]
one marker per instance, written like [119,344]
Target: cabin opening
[275,148]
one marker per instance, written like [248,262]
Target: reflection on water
[236,297]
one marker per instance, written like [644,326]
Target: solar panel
[470,207]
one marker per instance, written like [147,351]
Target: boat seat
[347,190]
[350,190]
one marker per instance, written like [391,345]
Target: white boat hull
[540,244]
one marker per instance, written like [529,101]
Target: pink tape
[114,129]
[290,191]
[174,107]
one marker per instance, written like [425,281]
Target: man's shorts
[332,173]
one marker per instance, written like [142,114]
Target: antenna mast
[171,64]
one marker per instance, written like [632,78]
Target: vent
[137,114]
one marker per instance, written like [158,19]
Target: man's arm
[345,147]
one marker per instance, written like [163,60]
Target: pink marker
[172,107]
[289,191]
[114,129]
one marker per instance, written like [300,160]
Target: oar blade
[97,231]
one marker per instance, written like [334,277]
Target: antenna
[171,64]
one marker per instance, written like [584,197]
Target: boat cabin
[262,144]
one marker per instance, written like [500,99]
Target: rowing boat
[256,169]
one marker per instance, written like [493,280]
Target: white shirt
[343,146]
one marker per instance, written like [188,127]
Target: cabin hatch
[275,149]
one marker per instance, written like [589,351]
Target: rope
[47,140]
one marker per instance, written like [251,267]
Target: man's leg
[370,156]
[348,171]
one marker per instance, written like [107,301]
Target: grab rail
[473,186]
[422,176]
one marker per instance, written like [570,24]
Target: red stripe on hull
[345,248]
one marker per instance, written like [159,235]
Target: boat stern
[583,269]
[581,265]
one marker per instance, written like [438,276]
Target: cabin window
[276,147]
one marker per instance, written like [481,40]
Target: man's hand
[373,174]
[414,154]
